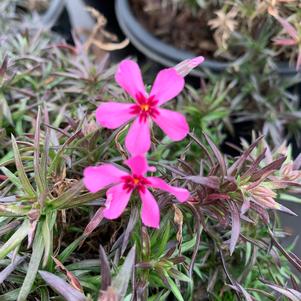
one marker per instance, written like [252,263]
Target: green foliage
[51,227]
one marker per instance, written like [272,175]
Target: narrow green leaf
[82,199]
[179,275]
[10,296]
[173,287]
[12,177]
[34,263]
[15,240]
[128,297]
[121,281]
[163,240]
[59,155]
[70,249]
[44,294]
[67,196]
[41,185]
[45,152]
[5,110]
[157,235]
[290,198]
[159,297]
[14,210]
[7,157]
[47,237]
[21,171]
[188,245]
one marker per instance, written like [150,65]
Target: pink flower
[124,183]
[168,84]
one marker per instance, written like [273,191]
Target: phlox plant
[168,84]
[293,40]
[243,187]
[97,203]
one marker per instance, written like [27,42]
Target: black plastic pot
[107,8]
[54,11]
[162,52]
[57,18]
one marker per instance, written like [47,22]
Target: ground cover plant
[223,29]
[258,40]
[101,200]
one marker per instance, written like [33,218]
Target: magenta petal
[172,123]
[112,115]
[98,177]
[150,213]
[138,139]
[181,194]
[138,165]
[129,77]
[168,84]
[117,200]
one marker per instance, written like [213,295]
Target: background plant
[51,227]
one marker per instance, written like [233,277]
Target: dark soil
[187,28]
[179,26]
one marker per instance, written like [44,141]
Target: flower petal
[150,213]
[138,165]
[184,67]
[117,200]
[168,84]
[129,77]
[138,139]
[181,194]
[173,124]
[98,177]
[112,115]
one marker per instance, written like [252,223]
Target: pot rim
[53,12]
[165,53]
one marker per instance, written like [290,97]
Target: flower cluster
[145,110]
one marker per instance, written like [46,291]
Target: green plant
[221,245]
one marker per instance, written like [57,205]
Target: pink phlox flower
[294,39]
[123,184]
[147,107]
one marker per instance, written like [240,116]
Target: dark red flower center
[145,107]
[132,182]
